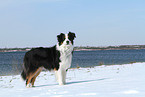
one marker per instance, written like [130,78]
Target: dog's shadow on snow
[45,85]
[75,82]
[85,81]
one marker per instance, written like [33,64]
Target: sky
[34,23]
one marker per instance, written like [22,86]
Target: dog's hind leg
[34,78]
[29,78]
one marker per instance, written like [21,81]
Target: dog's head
[66,39]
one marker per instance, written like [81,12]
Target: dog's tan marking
[31,75]
[55,69]
[34,78]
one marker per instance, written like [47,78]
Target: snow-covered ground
[101,81]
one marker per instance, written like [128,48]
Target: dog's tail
[24,72]
[25,68]
[23,75]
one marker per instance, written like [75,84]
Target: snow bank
[101,81]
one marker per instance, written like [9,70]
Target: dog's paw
[29,86]
[61,84]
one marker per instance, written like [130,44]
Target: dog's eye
[63,38]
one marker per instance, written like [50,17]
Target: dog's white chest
[65,55]
[65,61]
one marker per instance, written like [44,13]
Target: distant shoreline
[83,48]
[107,49]
[121,47]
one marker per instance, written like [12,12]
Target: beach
[101,81]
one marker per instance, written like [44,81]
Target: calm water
[11,62]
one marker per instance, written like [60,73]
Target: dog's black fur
[40,57]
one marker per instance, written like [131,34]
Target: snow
[101,81]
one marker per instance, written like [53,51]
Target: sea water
[11,62]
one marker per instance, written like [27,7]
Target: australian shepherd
[57,58]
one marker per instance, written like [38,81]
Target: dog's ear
[72,35]
[58,37]
[61,38]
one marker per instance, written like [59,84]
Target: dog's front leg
[60,76]
[56,75]
[64,76]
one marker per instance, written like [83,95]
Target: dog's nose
[67,42]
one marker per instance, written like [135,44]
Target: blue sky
[33,23]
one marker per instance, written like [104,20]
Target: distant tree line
[121,47]
[13,49]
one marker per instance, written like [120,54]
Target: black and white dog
[57,58]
